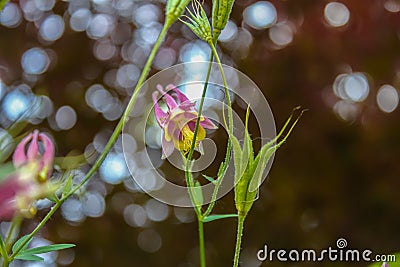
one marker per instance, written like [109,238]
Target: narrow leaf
[237,157]
[45,249]
[53,197]
[247,156]
[19,242]
[214,217]
[264,156]
[210,179]
[28,257]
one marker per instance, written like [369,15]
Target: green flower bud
[175,9]
[198,23]
[221,11]
[249,170]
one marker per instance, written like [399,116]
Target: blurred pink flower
[179,121]
[18,192]
[29,150]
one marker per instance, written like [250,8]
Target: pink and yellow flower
[178,121]
[29,151]
[33,160]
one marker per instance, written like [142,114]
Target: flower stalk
[199,24]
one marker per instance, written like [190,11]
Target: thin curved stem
[37,228]
[4,252]
[239,235]
[128,110]
[16,222]
[111,141]
[188,174]
[230,126]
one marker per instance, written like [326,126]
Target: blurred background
[69,67]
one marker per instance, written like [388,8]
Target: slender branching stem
[110,142]
[239,234]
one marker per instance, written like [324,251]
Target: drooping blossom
[19,190]
[178,121]
[29,150]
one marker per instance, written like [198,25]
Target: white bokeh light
[352,87]
[260,15]
[11,15]
[336,14]
[52,28]
[114,170]
[229,32]
[80,19]
[387,98]
[65,117]
[35,61]
[356,87]
[281,34]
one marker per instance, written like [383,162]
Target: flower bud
[175,9]
[221,10]
[29,151]
[249,168]
[198,23]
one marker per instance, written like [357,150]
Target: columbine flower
[19,190]
[29,151]
[179,121]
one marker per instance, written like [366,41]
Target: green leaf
[269,149]
[261,160]
[45,249]
[237,158]
[20,241]
[210,179]
[53,197]
[28,257]
[247,157]
[214,217]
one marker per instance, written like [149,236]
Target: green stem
[128,109]
[4,253]
[16,222]
[228,97]
[240,227]
[201,243]
[229,146]
[37,228]
[111,141]
[203,95]
[188,174]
